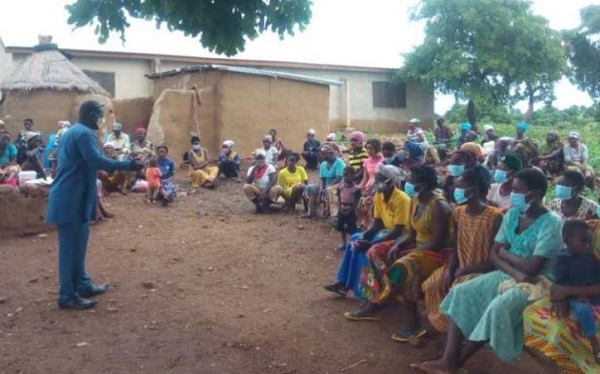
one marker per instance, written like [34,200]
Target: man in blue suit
[72,204]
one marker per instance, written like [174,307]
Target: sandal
[405,335]
[352,316]
[337,289]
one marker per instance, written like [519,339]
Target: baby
[153,175]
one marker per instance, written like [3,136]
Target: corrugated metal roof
[246,70]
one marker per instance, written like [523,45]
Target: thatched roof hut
[46,87]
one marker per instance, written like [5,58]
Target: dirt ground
[203,286]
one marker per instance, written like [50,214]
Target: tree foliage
[223,25]
[491,51]
[583,47]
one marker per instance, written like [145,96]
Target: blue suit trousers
[72,248]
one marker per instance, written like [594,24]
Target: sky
[343,32]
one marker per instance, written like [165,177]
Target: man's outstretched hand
[136,165]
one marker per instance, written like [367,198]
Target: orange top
[153,177]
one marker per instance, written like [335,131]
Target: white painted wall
[130,81]
[6,63]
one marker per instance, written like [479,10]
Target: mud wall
[251,105]
[46,108]
[21,214]
[177,114]
[133,113]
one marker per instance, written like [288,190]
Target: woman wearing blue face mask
[459,162]
[569,204]
[400,270]
[527,242]
[499,194]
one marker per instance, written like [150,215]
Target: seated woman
[331,172]
[501,189]
[416,134]
[390,222]
[310,150]
[8,158]
[558,340]
[34,154]
[524,248]
[278,145]
[271,153]
[524,147]
[460,161]
[259,181]
[476,226]
[399,269]
[443,138]
[466,134]
[142,147]
[365,206]
[503,145]
[569,204]
[576,157]
[551,159]
[168,189]
[200,173]
[291,182]
[229,160]
[115,181]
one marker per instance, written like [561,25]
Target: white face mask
[196,147]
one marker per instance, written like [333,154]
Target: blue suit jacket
[73,192]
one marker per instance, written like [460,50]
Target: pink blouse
[369,167]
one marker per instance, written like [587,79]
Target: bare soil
[202,286]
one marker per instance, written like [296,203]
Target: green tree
[494,52]
[223,25]
[583,50]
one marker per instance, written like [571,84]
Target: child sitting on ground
[576,269]
[348,194]
[153,175]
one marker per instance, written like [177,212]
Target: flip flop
[352,317]
[336,290]
[406,336]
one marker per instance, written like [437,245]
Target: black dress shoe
[94,290]
[78,303]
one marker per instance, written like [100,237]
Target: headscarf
[465,126]
[473,148]
[512,161]
[414,149]
[268,137]
[573,135]
[64,124]
[108,144]
[392,172]
[415,121]
[311,132]
[140,130]
[357,136]
[523,126]
[331,137]
[228,143]
[487,127]
[117,126]
[194,139]
[259,152]
[30,135]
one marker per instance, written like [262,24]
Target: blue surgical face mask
[518,201]
[598,210]
[410,189]
[500,176]
[460,195]
[456,170]
[563,192]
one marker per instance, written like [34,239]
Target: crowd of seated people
[462,224]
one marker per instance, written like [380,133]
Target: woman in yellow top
[290,182]
[201,175]
[401,268]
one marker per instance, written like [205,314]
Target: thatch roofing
[48,69]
